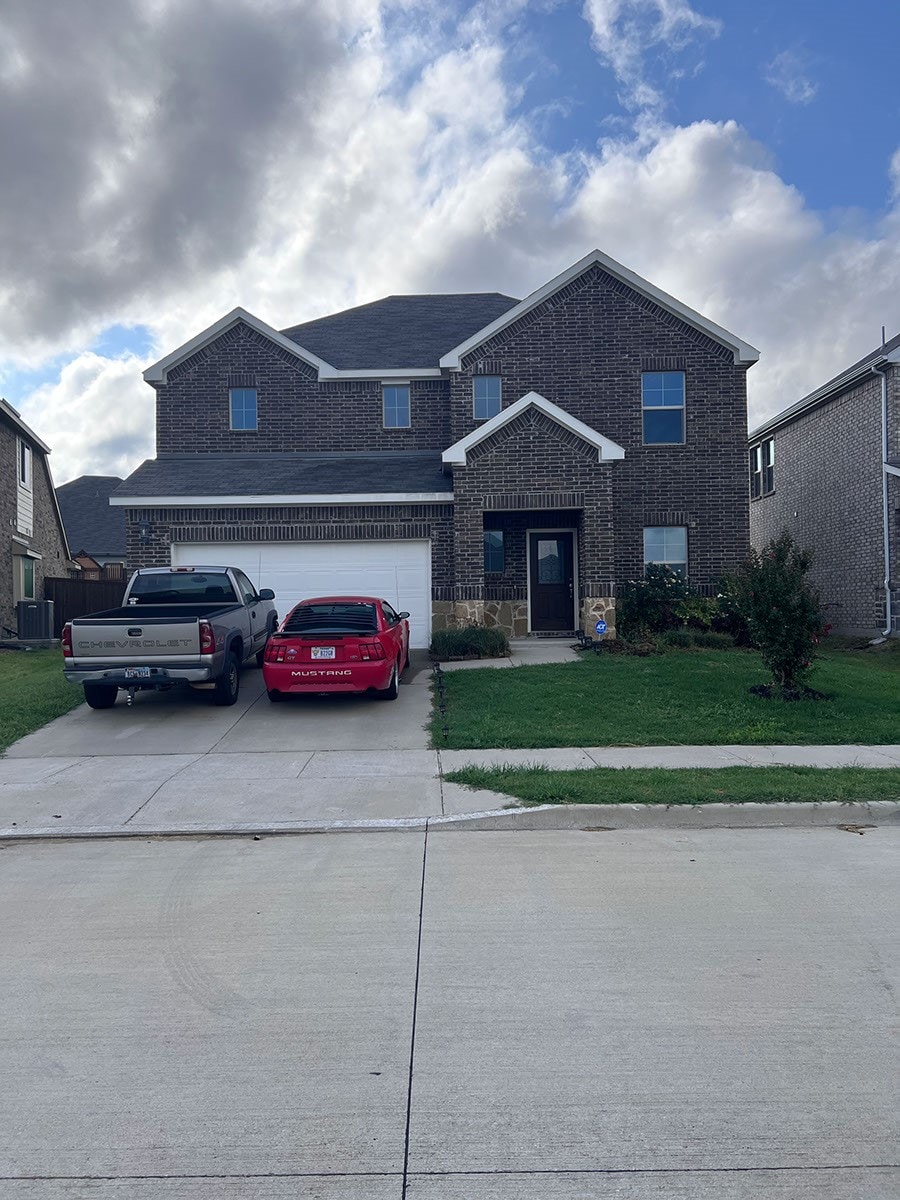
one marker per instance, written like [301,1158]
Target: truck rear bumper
[158,676]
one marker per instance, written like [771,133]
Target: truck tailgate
[136,638]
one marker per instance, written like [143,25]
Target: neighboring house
[96,531]
[826,469]
[32,530]
[469,457]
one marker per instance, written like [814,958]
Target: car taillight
[369,651]
[66,641]
[275,651]
[207,638]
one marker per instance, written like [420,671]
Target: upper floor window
[666,546]
[762,469]
[494,557]
[485,397]
[662,399]
[243,408]
[395,398]
[25,465]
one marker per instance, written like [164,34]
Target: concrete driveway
[478,1016]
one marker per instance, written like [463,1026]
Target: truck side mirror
[266,594]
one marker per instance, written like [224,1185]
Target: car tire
[392,691]
[228,685]
[100,695]
[275,697]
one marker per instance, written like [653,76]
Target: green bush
[711,639]
[649,605]
[678,639]
[472,641]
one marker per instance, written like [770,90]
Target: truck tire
[100,695]
[229,683]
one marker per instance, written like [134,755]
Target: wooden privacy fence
[76,597]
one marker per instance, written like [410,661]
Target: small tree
[781,610]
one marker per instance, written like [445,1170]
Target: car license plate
[137,672]
[323,651]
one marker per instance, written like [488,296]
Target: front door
[552,581]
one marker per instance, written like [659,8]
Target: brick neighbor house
[32,529]
[469,457]
[95,528]
[827,469]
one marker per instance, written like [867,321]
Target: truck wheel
[392,691]
[100,695]
[228,684]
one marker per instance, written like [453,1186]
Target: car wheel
[392,691]
[100,695]
[275,697]
[228,684]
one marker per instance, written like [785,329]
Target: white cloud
[788,72]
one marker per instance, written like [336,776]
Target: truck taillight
[66,641]
[207,638]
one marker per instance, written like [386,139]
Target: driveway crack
[412,1040]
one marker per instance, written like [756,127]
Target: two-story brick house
[827,469]
[470,457]
[33,538]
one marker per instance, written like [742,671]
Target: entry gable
[607,450]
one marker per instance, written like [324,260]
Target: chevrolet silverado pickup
[194,625]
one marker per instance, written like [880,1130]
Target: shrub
[678,639]
[711,639]
[472,641]
[696,611]
[781,610]
[649,605]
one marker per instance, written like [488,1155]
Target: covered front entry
[551,581]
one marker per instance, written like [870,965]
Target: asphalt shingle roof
[90,523]
[399,331]
[287,475]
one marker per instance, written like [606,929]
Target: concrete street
[650,1014]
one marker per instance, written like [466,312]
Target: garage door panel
[399,572]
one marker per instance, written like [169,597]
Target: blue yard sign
[600,628]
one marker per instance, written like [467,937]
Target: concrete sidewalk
[229,791]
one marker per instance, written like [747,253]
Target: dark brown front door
[552,582]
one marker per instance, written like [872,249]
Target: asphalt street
[514,1016]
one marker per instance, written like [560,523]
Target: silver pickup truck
[194,625]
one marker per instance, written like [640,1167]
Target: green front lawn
[32,692]
[732,785]
[680,698]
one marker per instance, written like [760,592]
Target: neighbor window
[662,399]
[396,406]
[493,551]
[762,469]
[485,397]
[243,408]
[756,472]
[24,465]
[666,546]
[27,578]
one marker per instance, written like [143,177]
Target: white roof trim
[392,374]
[743,351]
[12,415]
[323,498]
[606,450]
[158,372]
[891,470]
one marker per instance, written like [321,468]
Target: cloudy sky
[166,160]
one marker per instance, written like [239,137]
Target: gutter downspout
[888,599]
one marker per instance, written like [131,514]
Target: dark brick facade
[828,495]
[584,349]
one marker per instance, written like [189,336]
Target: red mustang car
[338,644]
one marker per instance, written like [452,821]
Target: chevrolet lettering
[199,626]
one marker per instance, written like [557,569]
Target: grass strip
[659,785]
[32,692]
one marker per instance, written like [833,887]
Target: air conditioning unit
[35,620]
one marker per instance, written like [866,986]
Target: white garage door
[399,572]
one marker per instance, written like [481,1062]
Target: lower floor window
[666,546]
[493,551]
[25,581]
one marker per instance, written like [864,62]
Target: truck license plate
[137,672]
[323,651]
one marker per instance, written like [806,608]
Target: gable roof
[388,477]
[743,351]
[399,331]
[888,353]
[91,524]
[12,416]
[607,450]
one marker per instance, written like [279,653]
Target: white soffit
[607,450]
[743,351]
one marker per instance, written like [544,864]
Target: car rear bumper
[113,674]
[309,677]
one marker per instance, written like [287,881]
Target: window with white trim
[662,402]
[243,409]
[486,397]
[395,402]
[25,465]
[666,546]
[762,469]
